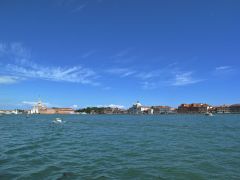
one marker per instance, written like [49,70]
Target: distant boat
[58,120]
[208,114]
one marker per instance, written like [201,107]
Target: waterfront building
[38,108]
[9,111]
[64,110]
[161,109]
[235,108]
[138,108]
[150,111]
[194,108]
[222,109]
[110,110]
[57,111]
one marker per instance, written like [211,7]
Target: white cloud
[3,48]
[115,106]
[107,88]
[76,74]
[123,72]
[223,68]
[149,85]
[112,106]
[79,8]
[19,65]
[14,50]
[148,75]
[9,79]
[87,54]
[153,79]
[75,106]
[121,54]
[32,103]
[185,78]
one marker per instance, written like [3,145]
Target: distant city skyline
[114,53]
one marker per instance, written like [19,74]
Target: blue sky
[115,52]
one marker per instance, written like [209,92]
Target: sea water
[120,147]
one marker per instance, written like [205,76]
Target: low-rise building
[138,108]
[40,108]
[194,108]
[161,109]
[57,111]
[37,108]
[235,108]
[64,110]
[222,109]
[110,110]
[9,111]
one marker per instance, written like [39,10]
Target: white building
[138,108]
[9,111]
[36,108]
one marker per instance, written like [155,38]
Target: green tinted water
[120,147]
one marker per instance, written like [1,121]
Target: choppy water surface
[120,147]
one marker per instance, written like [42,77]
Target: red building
[194,108]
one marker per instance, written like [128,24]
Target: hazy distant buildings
[162,109]
[235,108]
[36,109]
[102,110]
[9,111]
[194,108]
[138,108]
[110,110]
[222,109]
[40,108]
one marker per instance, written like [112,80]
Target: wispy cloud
[123,56]
[121,53]
[107,88]
[14,50]
[76,74]
[148,75]
[75,106]
[186,78]
[75,6]
[112,106]
[2,48]
[171,75]
[224,69]
[87,54]
[20,66]
[79,7]
[149,85]
[32,103]
[9,79]
[122,72]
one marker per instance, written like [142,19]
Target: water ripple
[120,147]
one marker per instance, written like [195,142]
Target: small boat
[208,114]
[58,120]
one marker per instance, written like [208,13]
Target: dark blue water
[120,147]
